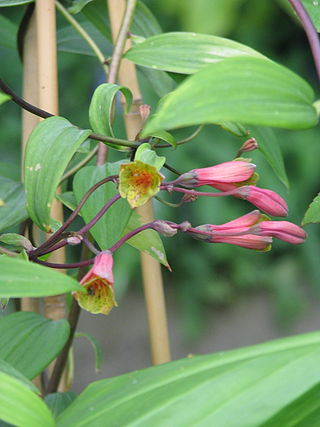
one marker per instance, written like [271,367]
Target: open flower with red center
[138,182]
[98,282]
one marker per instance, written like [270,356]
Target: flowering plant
[87,193]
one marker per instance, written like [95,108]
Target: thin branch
[185,140]
[75,24]
[310,31]
[129,235]
[121,40]
[65,266]
[56,236]
[45,115]
[115,63]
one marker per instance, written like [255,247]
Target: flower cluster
[139,181]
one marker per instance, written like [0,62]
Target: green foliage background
[204,275]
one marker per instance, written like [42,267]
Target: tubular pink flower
[235,171]
[227,172]
[283,230]
[98,282]
[241,224]
[249,241]
[266,200]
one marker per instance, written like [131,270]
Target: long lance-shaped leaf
[245,90]
[29,342]
[19,278]
[185,53]
[49,150]
[241,388]
[20,406]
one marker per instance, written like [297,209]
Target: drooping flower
[138,182]
[98,282]
[283,230]
[233,172]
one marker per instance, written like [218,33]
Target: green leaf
[235,128]
[146,155]
[14,239]
[147,241]
[144,22]
[69,40]
[29,342]
[6,368]
[4,97]
[185,53]
[270,148]
[96,348]
[110,227]
[240,388]
[20,406]
[12,203]
[20,278]
[96,12]
[101,107]
[78,5]
[245,90]
[312,215]
[68,199]
[160,81]
[8,35]
[50,148]
[58,402]
[313,9]
[5,3]
[165,136]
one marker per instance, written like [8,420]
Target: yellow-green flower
[138,182]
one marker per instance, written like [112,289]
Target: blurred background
[219,297]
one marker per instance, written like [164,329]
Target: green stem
[121,40]
[75,24]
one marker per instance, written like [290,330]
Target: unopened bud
[144,111]
[204,232]
[164,228]
[188,179]
[249,145]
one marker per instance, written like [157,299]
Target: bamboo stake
[48,100]
[151,272]
[29,121]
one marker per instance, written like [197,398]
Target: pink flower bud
[283,230]
[266,200]
[249,145]
[236,171]
[224,234]
[144,111]
[249,241]
[228,172]
[98,282]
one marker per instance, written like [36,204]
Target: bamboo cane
[152,279]
[48,100]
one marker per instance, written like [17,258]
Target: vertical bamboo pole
[29,121]
[48,100]
[151,272]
